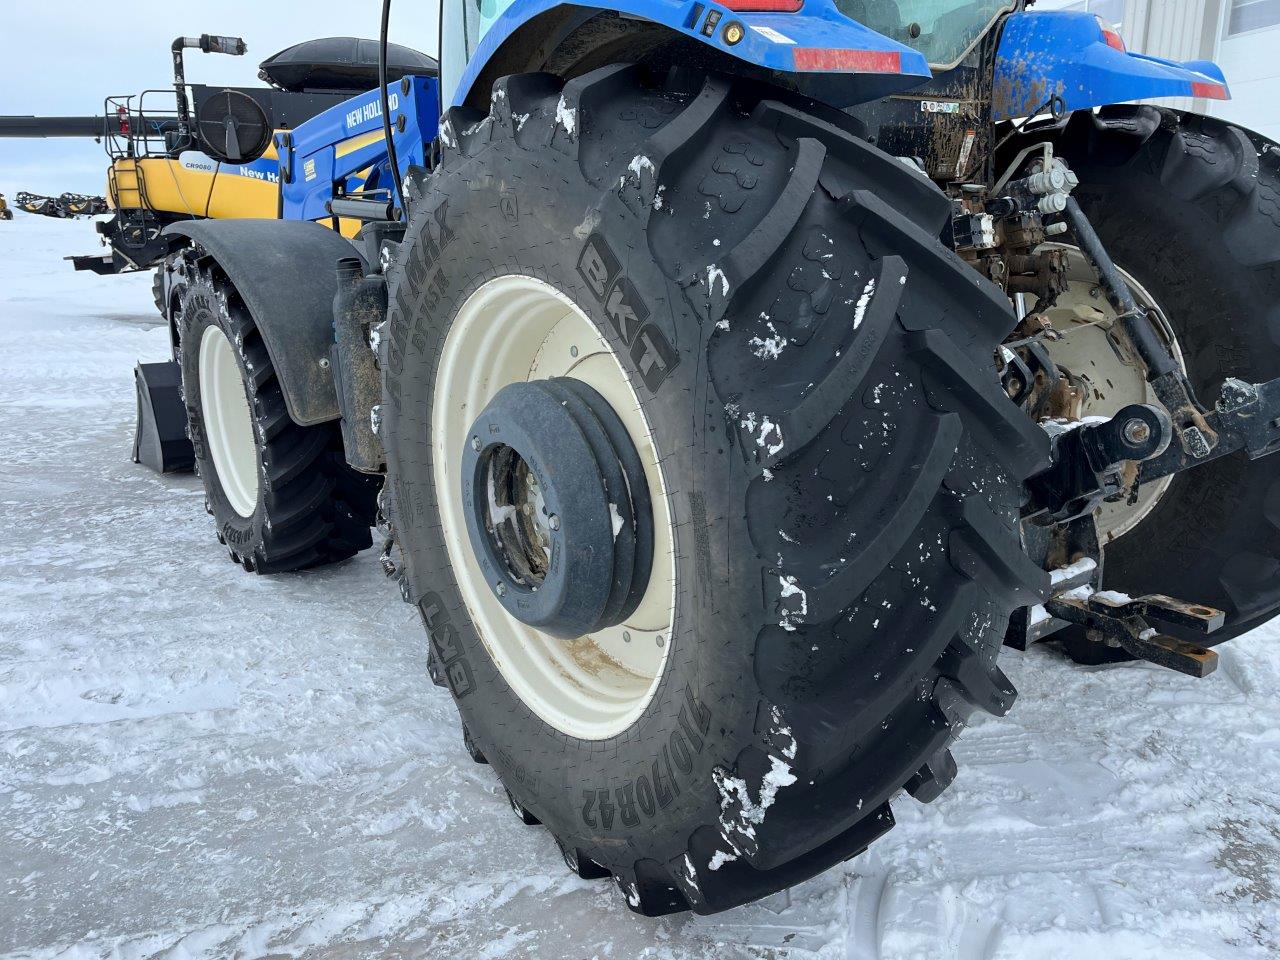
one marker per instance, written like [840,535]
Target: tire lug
[525,816]
[582,866]
[476,754]
[434,671]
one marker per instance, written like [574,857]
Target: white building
[1241,35]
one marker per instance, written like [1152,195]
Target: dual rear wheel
[1190,207]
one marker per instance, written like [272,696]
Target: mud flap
[160,439]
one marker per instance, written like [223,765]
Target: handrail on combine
[137,132]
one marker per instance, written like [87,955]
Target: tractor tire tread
[315,509]
[787,184]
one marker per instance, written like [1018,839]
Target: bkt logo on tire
[651,352]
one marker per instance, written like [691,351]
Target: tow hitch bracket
[1109,460]
[1098,460]
[1246,417]
[1089,462]
[1121,621]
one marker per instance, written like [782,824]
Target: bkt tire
[831,471]
[281,495]
[1190,207]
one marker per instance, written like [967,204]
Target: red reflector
[1114,40]
[1209,91]
[821,59]
[764,6]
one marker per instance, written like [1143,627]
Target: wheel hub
[519,330]
[557,507]
[1084,319]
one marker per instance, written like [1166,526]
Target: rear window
[943,30]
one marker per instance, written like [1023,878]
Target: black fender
[284,270]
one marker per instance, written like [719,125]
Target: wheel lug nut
[554,522]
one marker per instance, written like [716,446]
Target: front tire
[839,464]
[281,495]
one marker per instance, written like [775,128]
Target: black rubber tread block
[1013,438]
[915,197]
[933,778]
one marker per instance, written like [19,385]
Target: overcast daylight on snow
[671,480]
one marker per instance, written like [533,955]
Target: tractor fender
[1067,61]
[822,40]
[285,271]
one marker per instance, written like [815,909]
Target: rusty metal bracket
[1121,621]
[1246,418]
[1088,463]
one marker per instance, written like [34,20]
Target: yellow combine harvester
[193,152]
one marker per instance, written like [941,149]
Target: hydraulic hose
[386,106]
[1154,353]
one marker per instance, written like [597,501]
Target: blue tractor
[731,381]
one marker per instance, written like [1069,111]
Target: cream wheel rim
[228,428]
[516,329]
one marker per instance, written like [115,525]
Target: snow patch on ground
[200,763]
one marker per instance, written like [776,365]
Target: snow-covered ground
[195,762]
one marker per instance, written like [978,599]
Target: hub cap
[227,425]
[1083,315]
[589,677]
[558,507]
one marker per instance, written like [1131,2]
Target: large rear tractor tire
[281,495]
[744,312]
[1189,206]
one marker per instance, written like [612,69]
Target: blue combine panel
[342,151]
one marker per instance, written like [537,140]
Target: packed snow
[200,763]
